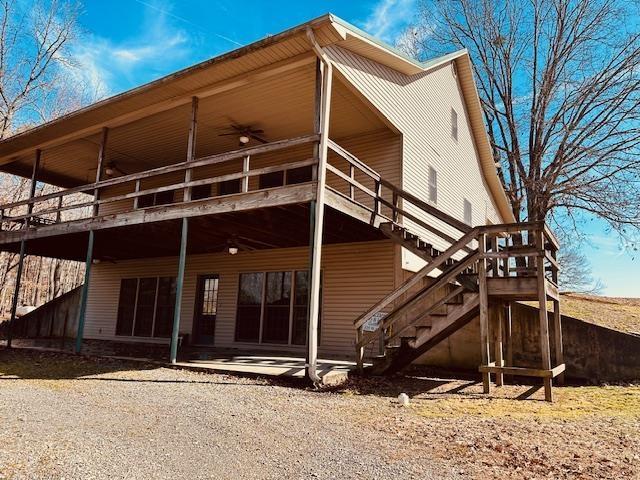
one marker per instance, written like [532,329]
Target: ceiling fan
[244,133]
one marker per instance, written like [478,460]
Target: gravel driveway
[65,418]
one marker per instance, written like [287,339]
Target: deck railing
[47,209]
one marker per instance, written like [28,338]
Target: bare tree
[37,84]
[34,38]
[559,82]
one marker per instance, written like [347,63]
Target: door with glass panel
[204,322]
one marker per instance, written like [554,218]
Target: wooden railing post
[352,176]
[136,199]
[395,214]
[557,318]
[191,147]
[101,157]
[59,212]
[245,170]
[544,318]
[484,311]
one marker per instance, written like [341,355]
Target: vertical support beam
[136,200]
[544,317]
[498,313]
[182,260]
[84,295]
[101,157]
[508,334]
[59,212]
[557,319]
[484,311]
[322,114]
[191,147]
[23,248]
[352,176]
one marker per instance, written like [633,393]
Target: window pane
[165,306]
[145,201]
[145,307]
[433,185]
[126,306]
[274,179]
[163,198]
[299,175]
[249,307]
[468,217]
[277,307]
[301,308]
[200,191]
[454,124]
[209,300]
[229,187]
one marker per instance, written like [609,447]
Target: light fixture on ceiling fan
[111,169]
[245,133]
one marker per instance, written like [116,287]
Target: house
[315,193]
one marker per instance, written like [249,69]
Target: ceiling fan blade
[258,138]
[227,134]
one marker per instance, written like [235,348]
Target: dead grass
[618,313]
[588,433]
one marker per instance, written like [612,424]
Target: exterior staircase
[484,269]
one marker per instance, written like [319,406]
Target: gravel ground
[64,417]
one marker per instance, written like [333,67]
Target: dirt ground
[68,417]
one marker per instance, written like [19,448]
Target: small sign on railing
[374,322]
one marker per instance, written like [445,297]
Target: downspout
[318,212]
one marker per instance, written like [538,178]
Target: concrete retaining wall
[591,352]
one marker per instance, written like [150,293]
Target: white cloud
[390,18]
[108,66]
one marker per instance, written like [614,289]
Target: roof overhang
[284,51]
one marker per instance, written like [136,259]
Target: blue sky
[125,43]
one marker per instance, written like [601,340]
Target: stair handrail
[419,275]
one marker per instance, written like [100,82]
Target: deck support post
[90,242]
[544,317]
[484,311]
[23,248]
[191,147]
[182,260]
[508,334]
[324,79]
[498,313]
[557,325]
[84,295]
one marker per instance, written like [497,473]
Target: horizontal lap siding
[420,106]
[355,276]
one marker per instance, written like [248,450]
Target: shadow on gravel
[16,364]
[29,364]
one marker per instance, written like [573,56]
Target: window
[468,217]
[273,307]
[249,307]
[286,177]
[454,124]
[299,175]
[145,306]
[229,187]
[277,307]
[433,185]
[159,198]
[200,191]
[270,180]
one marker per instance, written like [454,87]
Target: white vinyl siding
[420,106]
[355,276]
